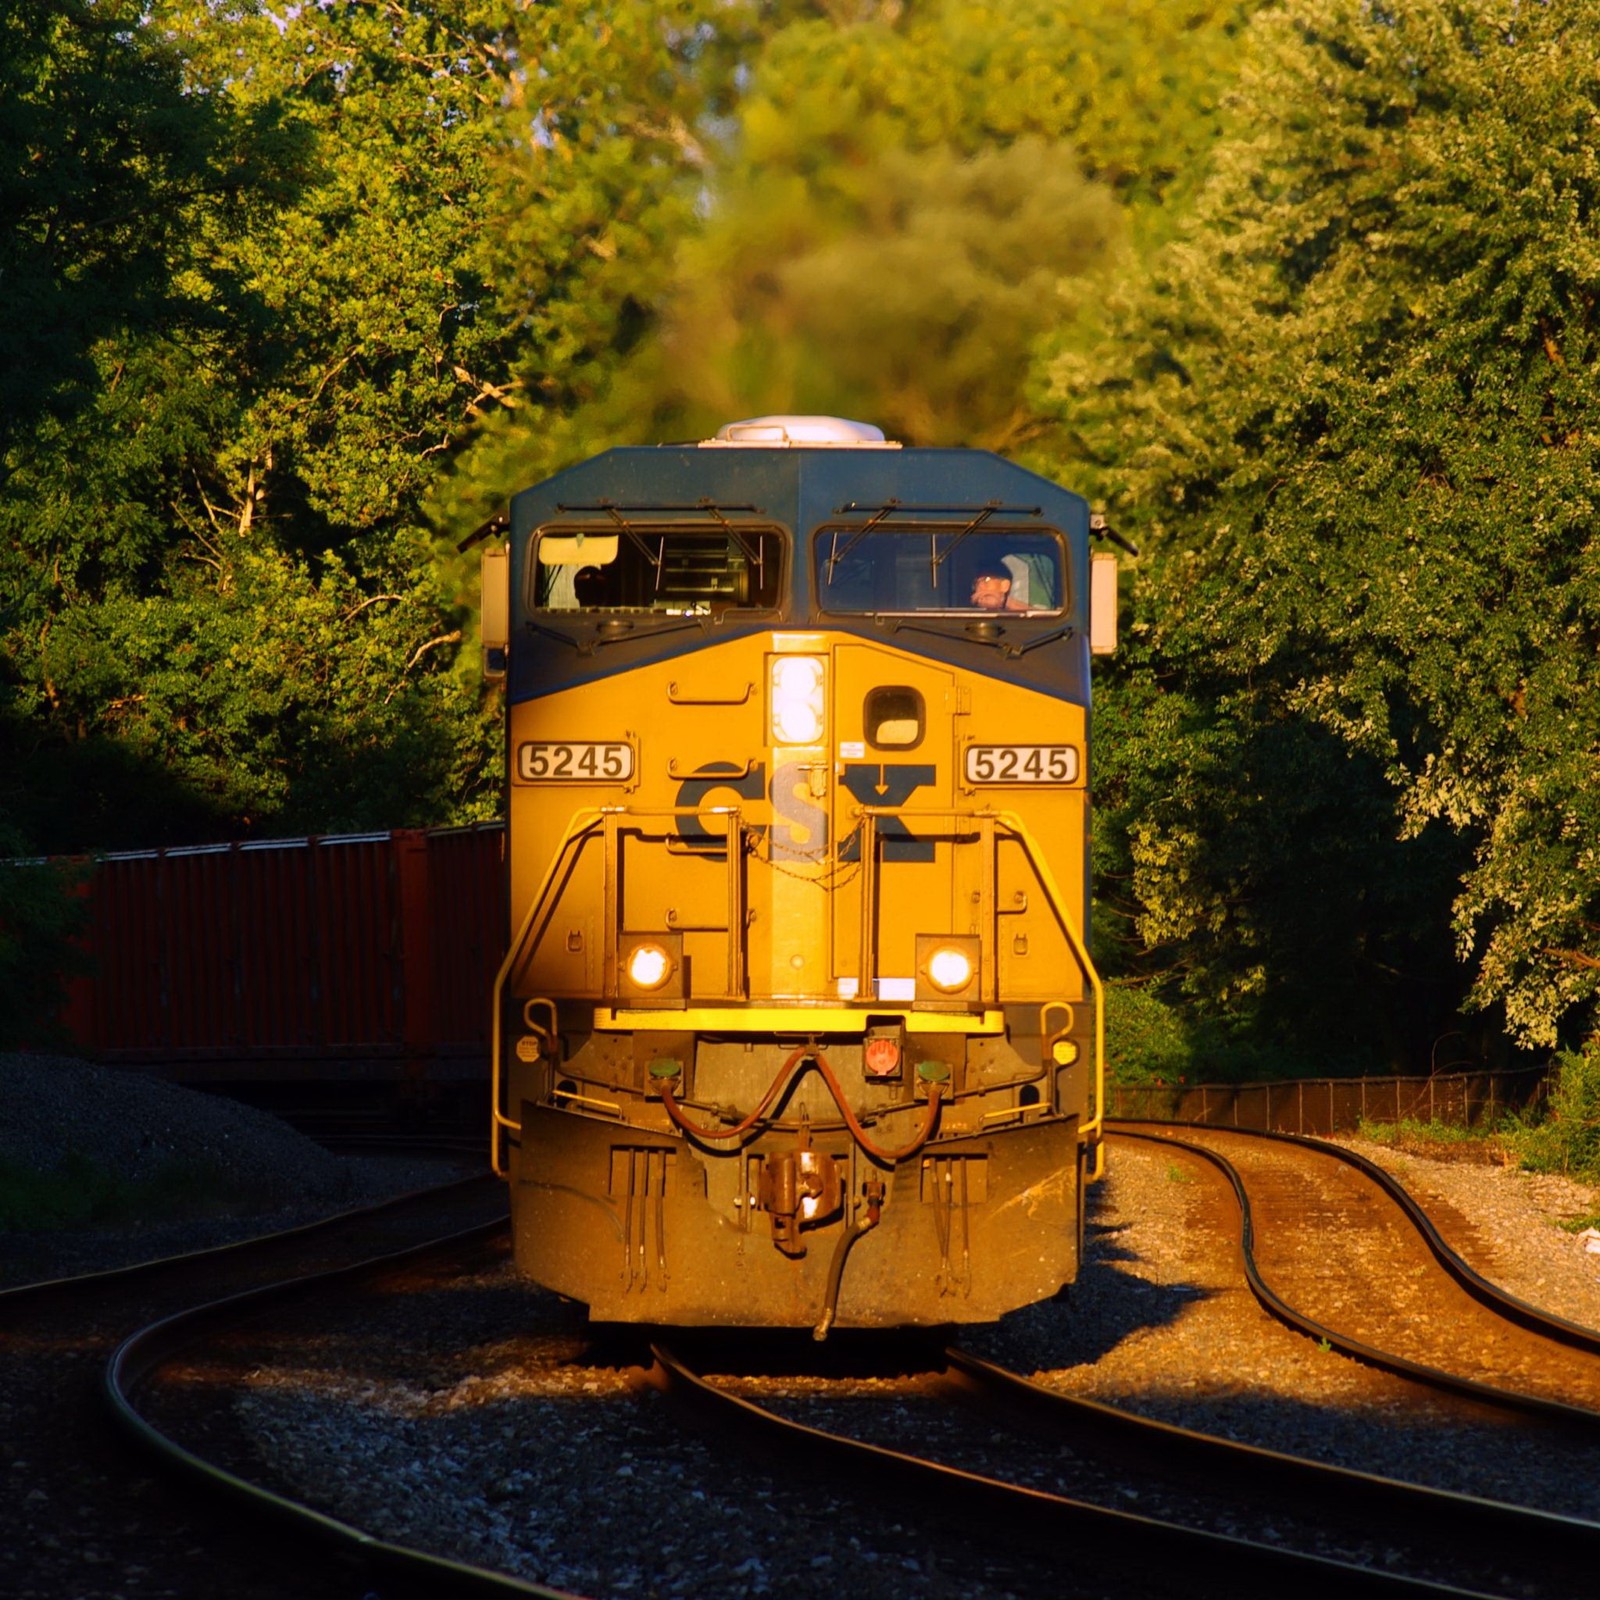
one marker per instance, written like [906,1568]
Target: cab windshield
[951,567]
[676,568]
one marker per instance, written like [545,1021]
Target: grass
[79,1194]
[1566,1139]
[1562,1136]
[1488,1144]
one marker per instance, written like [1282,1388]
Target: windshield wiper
[556,633]
[836,555]
[899,624]
[1043,638]
[617,630]
[972,527]
[979,630]
[636,539]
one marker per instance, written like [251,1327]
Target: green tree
[608,140]
[377,342]
[103,160]
[229,611]
[1351,411]
[877,212]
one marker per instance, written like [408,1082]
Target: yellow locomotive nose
[797,869]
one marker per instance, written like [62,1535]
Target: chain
[837,871]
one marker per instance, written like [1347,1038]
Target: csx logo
[800,829]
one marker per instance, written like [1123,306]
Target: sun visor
[578,550]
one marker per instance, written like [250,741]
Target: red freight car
[355,959]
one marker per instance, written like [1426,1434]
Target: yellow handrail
[582,822]
[1019,829]
[1091,1129]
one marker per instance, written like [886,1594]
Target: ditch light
[948,967]
[652,967]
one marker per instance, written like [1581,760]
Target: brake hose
[820,1062]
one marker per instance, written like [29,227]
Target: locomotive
[798,1024]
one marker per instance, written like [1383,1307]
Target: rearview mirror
[1102,604]
[494,572]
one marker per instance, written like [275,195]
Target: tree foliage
[104,161]
[1353,408]
[220,589]
[906,200]
[609,137]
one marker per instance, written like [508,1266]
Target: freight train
[338,977]
[798,1024]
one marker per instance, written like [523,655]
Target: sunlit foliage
[221,609]
[1302,292]
[904,201]
[1352,411]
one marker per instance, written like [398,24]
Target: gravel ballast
[1161,1323]
[533,1458]
[1507,1225]
[255,1173]
[442,1432]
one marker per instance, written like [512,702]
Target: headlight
[649,966]
[796,700]
[949,969]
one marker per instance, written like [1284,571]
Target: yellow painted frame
[1013,823]
[795,1019]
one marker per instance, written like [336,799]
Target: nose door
[894,725]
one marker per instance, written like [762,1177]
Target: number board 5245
[1022,763]
[567,761]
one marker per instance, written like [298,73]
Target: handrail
[581,821]
[582,825]
[1018,829]
[1092,1129]
[985,821]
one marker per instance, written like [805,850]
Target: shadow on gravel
[1106,1305]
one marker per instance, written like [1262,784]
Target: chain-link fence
[1333,1105]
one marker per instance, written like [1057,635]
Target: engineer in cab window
[991,589]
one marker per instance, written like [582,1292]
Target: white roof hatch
[788,432]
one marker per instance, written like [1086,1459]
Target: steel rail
[1135,1545]
[401,1569]
[1370,1355]
[1207,1462]
[1487,1293]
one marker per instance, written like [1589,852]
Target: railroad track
[385,1565]
[1166,1510]
[82,1513]
[1473,1530]
[1336,1249]
[1214,1517]
[1395,1538]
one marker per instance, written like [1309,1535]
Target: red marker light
[883,1057]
